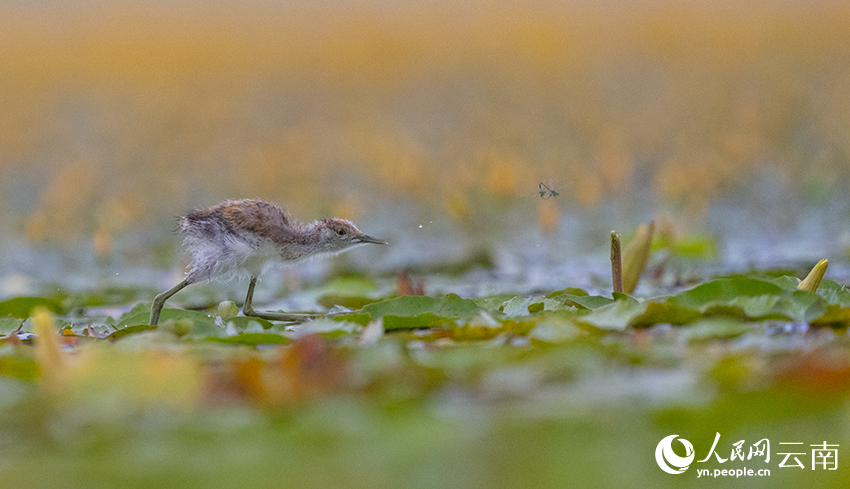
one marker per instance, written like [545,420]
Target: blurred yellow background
[117,115]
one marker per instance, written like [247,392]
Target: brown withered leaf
[406,285]
[12,339]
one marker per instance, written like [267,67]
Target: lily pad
[450,305]
[252,339]
[21,307]
[714,328]
[242,322]
[140,314]
[615,316]
[412,311]
[138,328]
[9,324]
[587,301]
[567,291]
[517,306]
[352,302]
[662,312]
[835,317]
[723,291]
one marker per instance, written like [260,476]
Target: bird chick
[239,237]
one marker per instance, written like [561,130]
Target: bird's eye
[340,232]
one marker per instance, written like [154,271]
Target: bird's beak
[368,239]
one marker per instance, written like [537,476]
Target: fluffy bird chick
[239,237]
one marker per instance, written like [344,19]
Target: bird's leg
[248,309]
[159,301]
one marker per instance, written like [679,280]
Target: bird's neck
[311,235]
[303,243]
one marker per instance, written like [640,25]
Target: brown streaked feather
[261,218]
[264,219]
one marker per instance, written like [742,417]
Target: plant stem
[616,262]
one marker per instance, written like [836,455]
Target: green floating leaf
[806,305]
[835,317]
[407,305]
[351,302]
[568,291]
[9,324]
[827,284]
[517,306]
[426,320]
[834,293]
[615,316]
[252,339]
[242,322]
[664,313]
[493,303]
[412,311]
[786,282]
[621,296]
[138,328]
[763,306]
[546,305]
[21,307]
[450,305]
[140,314]
[587,301]
[722,290]
[327,327]
[204,330]
[714,328]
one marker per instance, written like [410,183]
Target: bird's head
[338,235]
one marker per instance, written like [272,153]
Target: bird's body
[240,237]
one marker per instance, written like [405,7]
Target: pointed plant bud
[616,262]
[814,277]
[636,256]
